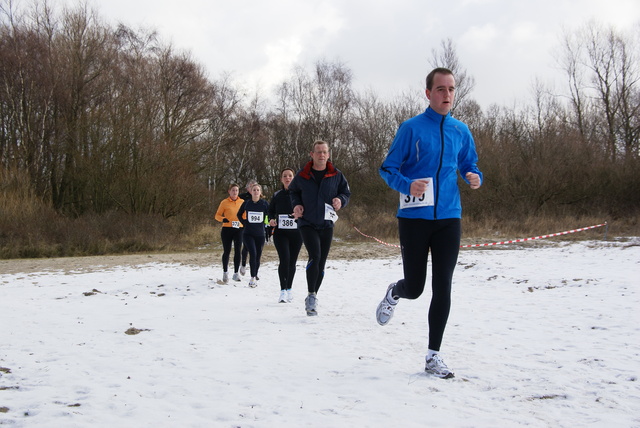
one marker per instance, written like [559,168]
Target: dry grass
[30,229]
[54,236]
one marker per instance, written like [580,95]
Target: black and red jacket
[305,191]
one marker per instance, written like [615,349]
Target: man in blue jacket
[317,191]
[422,165]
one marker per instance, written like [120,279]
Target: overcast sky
[504,44]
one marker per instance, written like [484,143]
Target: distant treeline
[97,119]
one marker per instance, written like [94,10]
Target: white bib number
[286,222]
[255,216]
[330,213]
[426,200]
[235,224]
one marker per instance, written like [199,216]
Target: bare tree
[223,160]
[82,57]
[570,62]
[319,103]
[602,66]
[26,100]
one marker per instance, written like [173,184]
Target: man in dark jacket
[317,191]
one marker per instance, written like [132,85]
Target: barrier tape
[376,239]
[536,237]
[498,243]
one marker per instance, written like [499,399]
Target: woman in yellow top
[231,232]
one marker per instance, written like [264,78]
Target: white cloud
[481,37]
[524,32]
[281,55]
[309,31]
[387,44]
[465,3]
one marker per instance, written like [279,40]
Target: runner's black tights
[418,237]
[288,244]
[231,235]
[254,244]
[318,243]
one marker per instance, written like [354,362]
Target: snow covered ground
[542,335]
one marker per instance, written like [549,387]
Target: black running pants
[288,244]
[254,245]
[318,243]
[418,238]
[229,236]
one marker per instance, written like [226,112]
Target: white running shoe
[384,313]
[252,282]
[283,296]
[236,277]
[437,367]
[289,295]
[310,304]
[225,277]
[243,270]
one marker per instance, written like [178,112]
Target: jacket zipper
[435,205]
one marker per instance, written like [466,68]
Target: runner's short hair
[317,142]
[435,71]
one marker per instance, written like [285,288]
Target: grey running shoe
[283,296]
[253,283]
[384,313]
[225,277]
[437,367]
[310,304]
[243,270]
[236,277]
[289,295]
